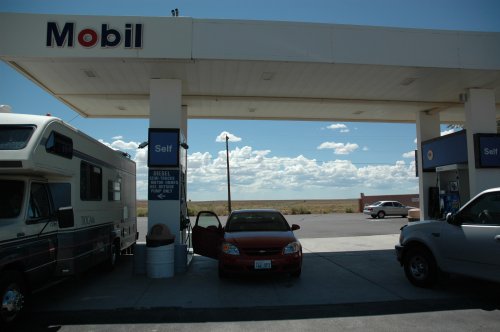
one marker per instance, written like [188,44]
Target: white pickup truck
[467,243]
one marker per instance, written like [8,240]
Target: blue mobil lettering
[106,37]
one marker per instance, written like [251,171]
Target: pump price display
[163,185]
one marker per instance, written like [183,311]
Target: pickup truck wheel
[420,267]
[13,294]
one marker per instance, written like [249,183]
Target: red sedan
[252,241]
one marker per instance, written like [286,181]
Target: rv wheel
[114,253]
[13,296]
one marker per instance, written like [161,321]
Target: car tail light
[230,249]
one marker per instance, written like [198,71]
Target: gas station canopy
[102,66]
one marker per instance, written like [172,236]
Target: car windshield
[256,221]
[11,198]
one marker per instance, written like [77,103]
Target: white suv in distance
[467,243]
[386,208]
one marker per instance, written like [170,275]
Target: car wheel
[381,215]
[13,294]
[420,267]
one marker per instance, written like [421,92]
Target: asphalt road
[325,225]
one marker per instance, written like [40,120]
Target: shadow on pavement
[345,284]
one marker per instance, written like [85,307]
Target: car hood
[427,225]
[260,239]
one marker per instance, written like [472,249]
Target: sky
[269,159]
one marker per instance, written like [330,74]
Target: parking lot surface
[346,274]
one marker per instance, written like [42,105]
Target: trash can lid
[159,235]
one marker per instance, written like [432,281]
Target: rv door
[65,217]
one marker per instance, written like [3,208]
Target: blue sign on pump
[445,150]
[487,150]
[163,147]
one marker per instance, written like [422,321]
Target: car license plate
[262,265]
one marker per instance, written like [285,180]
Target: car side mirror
[295,227]
[452,219]
[65,217]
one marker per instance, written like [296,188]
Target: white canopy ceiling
[257,70]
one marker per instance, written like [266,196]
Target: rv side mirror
[65,217]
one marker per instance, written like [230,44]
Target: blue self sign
[487,150]
[163,147]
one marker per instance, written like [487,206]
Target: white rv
[67,203]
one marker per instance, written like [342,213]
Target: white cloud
[5,109]
[409,154]
[365,148]
[121,145]
[343,128]
[450,131]
[339,148]
[259,175]
[232,138]
[117,137]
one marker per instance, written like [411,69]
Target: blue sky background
[270,159]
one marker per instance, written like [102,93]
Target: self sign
[163,147]
[486,150]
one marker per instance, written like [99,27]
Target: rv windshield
[11,198]
[15,137]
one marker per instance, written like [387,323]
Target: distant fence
[410,200]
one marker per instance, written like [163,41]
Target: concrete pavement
[347,283]
[335,271]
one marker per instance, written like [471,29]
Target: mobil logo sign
[104,36]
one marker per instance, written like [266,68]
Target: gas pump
[185,222]
[453,184]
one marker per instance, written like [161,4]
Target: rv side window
[39,207]
[15,137]
[90,182]
[11,198]
[114,190]
[60,145]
